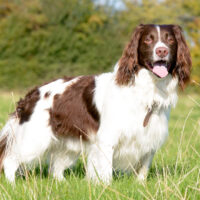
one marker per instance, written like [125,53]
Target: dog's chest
[136,141]
[133,139]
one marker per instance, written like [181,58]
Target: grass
[175,172]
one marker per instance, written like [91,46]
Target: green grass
[175,172]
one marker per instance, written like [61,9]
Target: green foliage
[46,39]
[192,8]
[41,40]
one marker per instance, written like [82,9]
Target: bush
[40,41]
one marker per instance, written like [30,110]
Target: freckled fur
[47,94]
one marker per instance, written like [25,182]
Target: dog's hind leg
[62,161]
[63,155]
[7,160]
[22,144]
[10,167]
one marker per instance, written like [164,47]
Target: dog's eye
[170,40]
[148,41]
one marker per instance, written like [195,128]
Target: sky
[116,3]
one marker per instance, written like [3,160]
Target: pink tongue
[160,71]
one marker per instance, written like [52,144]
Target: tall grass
[175,172]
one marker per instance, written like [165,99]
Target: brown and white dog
[119,119]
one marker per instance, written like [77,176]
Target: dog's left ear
[183,60]
[128,63]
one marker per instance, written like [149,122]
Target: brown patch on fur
[73,112]
[128,64]
[3,143]
[25,106]
[183,60]
[68,78]
[47,94]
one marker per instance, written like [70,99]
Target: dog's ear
[183,59]
[128,63]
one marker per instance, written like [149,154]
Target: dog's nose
[162,52]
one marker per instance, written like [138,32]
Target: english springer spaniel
[119,119]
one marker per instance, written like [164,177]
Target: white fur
[159,44]
[121,141]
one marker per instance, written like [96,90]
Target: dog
[118,119]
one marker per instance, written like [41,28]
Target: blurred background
[41,40]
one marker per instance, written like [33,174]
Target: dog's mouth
[159,68]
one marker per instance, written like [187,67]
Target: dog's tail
[7,135]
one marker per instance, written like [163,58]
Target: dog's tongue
[160,70]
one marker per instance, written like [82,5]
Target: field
[175,172]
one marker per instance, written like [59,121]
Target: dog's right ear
[128,63]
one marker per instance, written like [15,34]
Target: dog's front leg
[145,165]
[100,162]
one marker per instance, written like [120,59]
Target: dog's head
[159,48]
